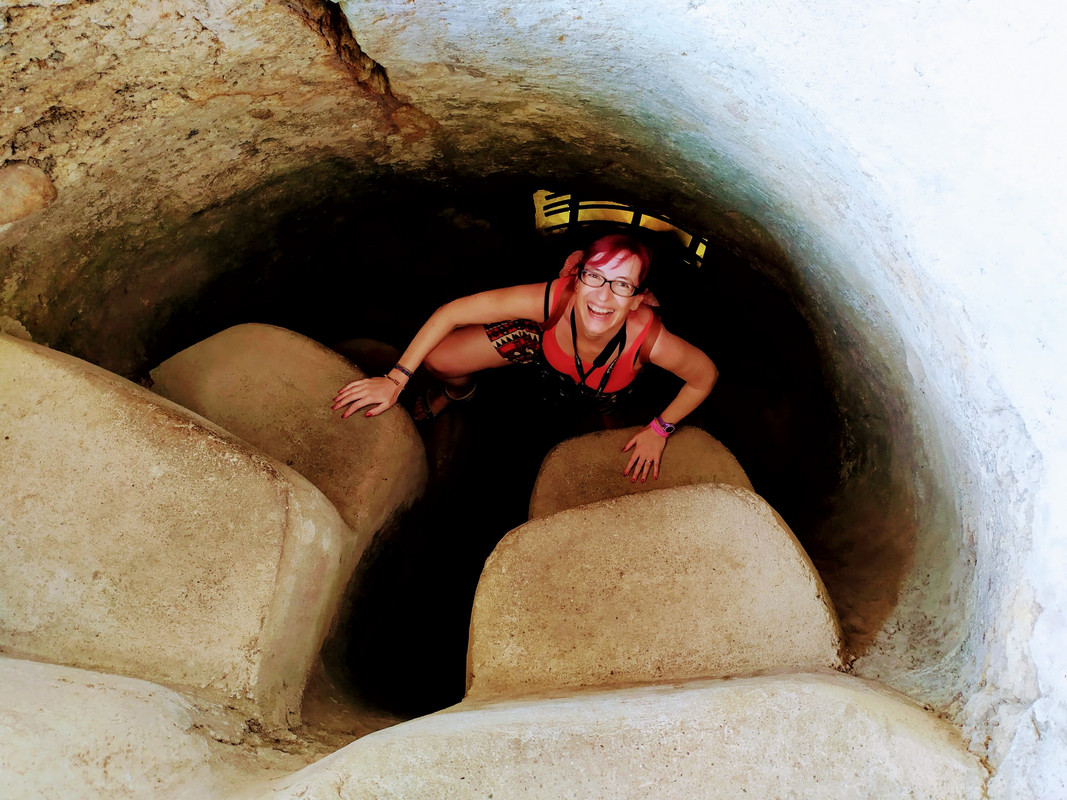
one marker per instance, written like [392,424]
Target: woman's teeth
[602,312]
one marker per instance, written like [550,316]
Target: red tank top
[625,368]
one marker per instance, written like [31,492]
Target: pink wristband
[658,429]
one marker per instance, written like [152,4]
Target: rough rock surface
[808,735]
[23,190]
[695,581]
[146,114]
[586,469]
[274,388]
[140,539]
[70,733]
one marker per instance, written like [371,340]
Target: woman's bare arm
[699,372]
[514,302]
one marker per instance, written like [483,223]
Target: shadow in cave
[376,262]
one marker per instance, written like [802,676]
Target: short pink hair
[607,251]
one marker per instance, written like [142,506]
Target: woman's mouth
[599,313]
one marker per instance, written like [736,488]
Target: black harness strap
[617,345]
[557,311]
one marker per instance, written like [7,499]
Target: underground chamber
[360,270]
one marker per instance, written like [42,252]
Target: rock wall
[146,118]
[138,538]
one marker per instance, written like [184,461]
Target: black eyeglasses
[619,286]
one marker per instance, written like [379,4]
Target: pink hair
[607,251]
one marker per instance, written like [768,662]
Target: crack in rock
[330,22]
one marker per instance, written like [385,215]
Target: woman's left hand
[647,451]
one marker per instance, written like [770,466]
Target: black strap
[557,311]
[617,345]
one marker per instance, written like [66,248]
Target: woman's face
[599,310]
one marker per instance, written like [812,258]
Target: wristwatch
[668,427]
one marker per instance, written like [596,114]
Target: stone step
[71,733]
[694,581]
[799,736]
[589,468]
[274,388]
[138,538]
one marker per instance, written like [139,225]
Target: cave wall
[148,118]
[894,167]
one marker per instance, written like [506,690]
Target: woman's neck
[590,346]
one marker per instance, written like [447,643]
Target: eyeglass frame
[611,283]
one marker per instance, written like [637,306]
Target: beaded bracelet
[402,369]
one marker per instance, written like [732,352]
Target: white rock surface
[70,734]
[810,736]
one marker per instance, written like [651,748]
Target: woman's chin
[597,324]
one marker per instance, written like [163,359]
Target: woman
[598,330]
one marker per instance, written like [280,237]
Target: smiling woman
[597,330]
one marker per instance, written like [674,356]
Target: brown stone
[138,538]
[694,581]
[275,388]
[23,190]
[589,468]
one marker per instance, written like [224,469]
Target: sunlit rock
[275,388]
[139,538]
[695,581]
[71,733]
[805,736]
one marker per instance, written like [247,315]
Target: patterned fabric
[517,340]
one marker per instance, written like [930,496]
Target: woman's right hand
[381,393]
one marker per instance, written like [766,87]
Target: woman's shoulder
[510,302]
[642,317]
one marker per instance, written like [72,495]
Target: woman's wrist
[399,375]
[661,428]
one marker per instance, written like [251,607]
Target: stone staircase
[670,639]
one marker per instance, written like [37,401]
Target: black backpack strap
[561,304]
